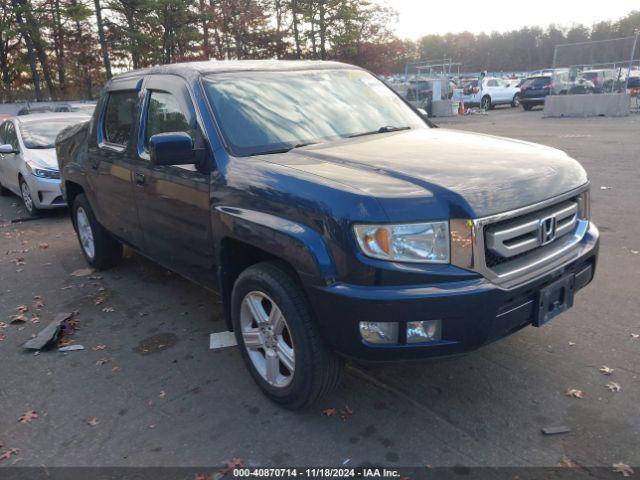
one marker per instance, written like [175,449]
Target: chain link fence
[597,67]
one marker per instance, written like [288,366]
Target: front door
[173,201]
[112,156]
[11,161]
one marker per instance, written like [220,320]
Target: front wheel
[27,199]
[279,339]
[527,107]
[100,249]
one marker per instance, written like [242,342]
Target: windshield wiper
[286,149]
[385,129]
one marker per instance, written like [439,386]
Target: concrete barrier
[596,105]
[442,108]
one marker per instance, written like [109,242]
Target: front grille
[508,240]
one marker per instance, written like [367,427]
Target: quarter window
[119,116]
[164,115]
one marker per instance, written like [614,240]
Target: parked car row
[28,164]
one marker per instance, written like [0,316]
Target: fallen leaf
[28,416]
[108,309]
[574,392]
[102,361]
[162,394]
[606,370]
[329,412]
[22,309]
[116,369]
[21,318]
[345,413]
[203,476]
[231,464]
[82,272]
[635,252]
[99,347]
[571,344]
[2,336]
[43,245]
[99,301]
[38,303]
[7,455]
[623,468]
[613,386]
[93,422]
[635,336]
[566,462]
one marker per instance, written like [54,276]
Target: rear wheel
[100,249]
[485,103]
[278,337]
[516,100]
[27,199]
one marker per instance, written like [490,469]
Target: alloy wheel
[267,339]
[85,233]
[26,196]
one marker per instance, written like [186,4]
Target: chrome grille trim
[468,244]
[522,234]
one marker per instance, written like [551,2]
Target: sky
[421,17]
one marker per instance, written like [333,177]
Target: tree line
[65,49]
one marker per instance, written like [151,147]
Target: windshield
[42,134]
[268,112]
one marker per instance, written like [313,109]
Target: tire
[27,199]
[515,102]
[527,107]
[315,371]
[100,249]
[485,103]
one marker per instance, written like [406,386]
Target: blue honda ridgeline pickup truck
[330,216]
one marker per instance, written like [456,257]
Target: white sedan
[28,163]
[489,92]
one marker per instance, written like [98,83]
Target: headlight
[44,172]
[412,242]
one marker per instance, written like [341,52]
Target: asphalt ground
[147,391]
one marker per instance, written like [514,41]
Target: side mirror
[172,148]
[6,148]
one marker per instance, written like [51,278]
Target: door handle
[140,179]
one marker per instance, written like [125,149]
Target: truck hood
[474,174]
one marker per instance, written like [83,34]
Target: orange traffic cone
[461,108]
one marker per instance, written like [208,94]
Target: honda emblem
[547,230]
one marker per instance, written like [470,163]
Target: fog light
[428,331]
[379,332]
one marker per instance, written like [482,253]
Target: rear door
[174,201]
[112,156]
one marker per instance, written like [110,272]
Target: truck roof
[191,69]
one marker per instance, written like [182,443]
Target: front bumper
[473,312]
[45,192]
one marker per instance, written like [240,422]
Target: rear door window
[119,117]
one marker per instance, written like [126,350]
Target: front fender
[302,247]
